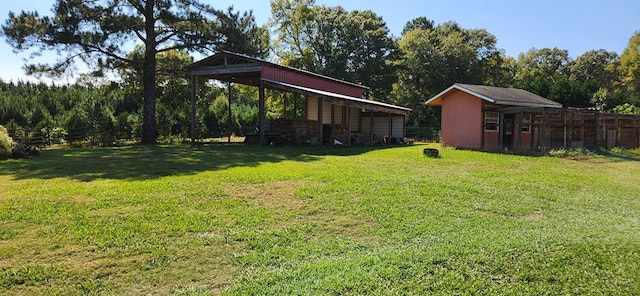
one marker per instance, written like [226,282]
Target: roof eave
[520,104]
[460,88]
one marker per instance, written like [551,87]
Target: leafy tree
[435,57]
[626,108]
[630,65]
[499,70]
[350,45]
[599,66]
[173,88]
[568,93]
[97,32]
[547,64]
[5,143]
[418,23]
[600,99]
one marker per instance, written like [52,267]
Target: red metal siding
[300,79]
[491,140]
[462,121]
[526,140]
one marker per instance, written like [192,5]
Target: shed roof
[234,67]
[238,68]
[343,100]
[497,95]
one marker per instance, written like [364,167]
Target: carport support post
[371,128]
[390,128]
[261,112]
[229,113]
[348,125]
[320,119]
[519,131]
[193,110]
[501,131]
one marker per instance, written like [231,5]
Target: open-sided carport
[329,101]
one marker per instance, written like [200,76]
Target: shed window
[526,123]
[491,121]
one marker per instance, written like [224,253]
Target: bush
[20,150]
[5,143]
[571,152]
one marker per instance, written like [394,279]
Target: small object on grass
[431,152]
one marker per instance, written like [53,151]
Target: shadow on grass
[619,154]
[150,162]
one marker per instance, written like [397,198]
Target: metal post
[519,130]
[348,125]
[229,113]
[261,111]
[193,110]
[320,119]
[371,128]
[501,131]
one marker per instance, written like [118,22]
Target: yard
[233,219]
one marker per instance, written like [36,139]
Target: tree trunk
[149,126]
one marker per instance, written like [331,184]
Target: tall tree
[539,69]
[435,57]
[630,65]
[349,45]
[599,66]
[100,33]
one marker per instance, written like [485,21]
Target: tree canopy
[99,33]
[143,45]
[351,45]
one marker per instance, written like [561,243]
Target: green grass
[238,220]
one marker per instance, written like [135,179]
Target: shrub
[570,152]
[5,143]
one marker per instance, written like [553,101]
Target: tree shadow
[619,154]
[151,162]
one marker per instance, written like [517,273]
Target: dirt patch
[532,217]
[276,195]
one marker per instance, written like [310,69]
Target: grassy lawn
[232,219]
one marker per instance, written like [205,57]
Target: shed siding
[300,79]
[326,114]
[355,119]
[397,127]
[462,122]
[381,126]
[491,140]
[526,140]
[312,108]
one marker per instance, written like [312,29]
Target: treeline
[107,113]
[355,46]
[428,57]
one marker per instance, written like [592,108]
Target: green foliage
[568,93]
[5,143]
[571,152]
[435,57]
[99,32]
[350,45]
[630,65]
[543,66]
[626,108]
[598,66]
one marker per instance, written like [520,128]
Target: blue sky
[577,26]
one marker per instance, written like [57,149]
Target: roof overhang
[338,99]
[238,68]
[437,99]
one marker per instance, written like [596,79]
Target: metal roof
[341,99]
[498,95]
[245,69]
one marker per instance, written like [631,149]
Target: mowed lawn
[176,220]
